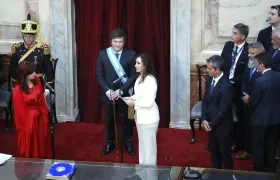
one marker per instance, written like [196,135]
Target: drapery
[147,24]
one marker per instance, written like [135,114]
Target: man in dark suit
[249,77]
[113,63]
[274,51]
[217,113]
[235,55]
[265,104]
[264,35]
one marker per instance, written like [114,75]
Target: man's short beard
[275,46]
[252,63]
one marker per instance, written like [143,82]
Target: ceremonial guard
[32,50]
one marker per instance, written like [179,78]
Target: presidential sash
[117,66]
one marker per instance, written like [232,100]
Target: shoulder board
[15,46]
[46,49]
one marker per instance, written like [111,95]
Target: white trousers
[147,138]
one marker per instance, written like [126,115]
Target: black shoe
[235,148]
[107,149]
[130,150]
[244,156]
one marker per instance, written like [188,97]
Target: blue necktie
[275,52]
[252,70]
[234,54]
[117,55]
[212,87]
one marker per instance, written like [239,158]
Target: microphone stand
[50,113]
[118,129]
[192,174]
[121,120]
[115,122]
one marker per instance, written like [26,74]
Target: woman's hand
[127,98]
[129,101]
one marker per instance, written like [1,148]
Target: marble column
[180,64]
[62,41]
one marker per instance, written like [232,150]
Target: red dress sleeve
[20,110]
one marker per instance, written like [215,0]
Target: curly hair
[23,70]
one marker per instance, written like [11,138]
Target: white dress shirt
[217,79]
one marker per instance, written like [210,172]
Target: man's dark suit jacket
[241,63]
[216,109]
[106,73]
[264,100]
[247,83]
[264,37]
[275,59]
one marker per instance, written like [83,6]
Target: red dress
[32,124]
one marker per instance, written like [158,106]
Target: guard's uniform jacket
[39,56]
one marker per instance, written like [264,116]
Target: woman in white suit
[146,109]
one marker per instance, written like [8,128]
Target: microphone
[49,87]
[267,20]
[123,76]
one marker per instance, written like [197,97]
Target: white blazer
[145,104]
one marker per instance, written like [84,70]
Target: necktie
[117,55]
[234,54]
[212,87]
[275,53]
[252,70]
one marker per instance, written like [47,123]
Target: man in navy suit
[107,70]
[217,113]
[264,35]
[265,118]
[235,55]
[249,77]
[275,50]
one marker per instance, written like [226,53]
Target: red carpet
[84,141]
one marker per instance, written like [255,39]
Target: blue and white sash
[117,66]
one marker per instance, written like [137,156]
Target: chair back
[54,62]
[199,71]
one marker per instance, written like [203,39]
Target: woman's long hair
[148,64]
[24,69]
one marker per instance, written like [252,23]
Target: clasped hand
[206,126]
[245,98]
[114,95]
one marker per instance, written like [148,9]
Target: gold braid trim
[130,112]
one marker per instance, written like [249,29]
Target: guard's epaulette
[46,49]
[15,46]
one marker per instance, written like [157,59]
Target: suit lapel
[217,87]
[244,51]
[269,31]
[123,58]
[230,52]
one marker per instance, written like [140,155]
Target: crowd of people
[245,80]
[245,76]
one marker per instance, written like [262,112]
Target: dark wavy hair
[148,64]
[23,70]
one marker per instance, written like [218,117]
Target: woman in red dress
[31,114]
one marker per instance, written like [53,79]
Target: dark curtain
[147,24]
